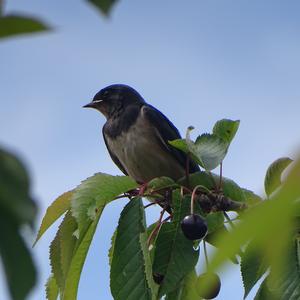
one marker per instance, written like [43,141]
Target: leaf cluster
[157,261]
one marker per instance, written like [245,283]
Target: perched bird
[136,135]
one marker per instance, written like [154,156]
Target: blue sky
[197,61]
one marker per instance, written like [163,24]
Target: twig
[156,228]
[221,175]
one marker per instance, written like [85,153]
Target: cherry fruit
[194,227]
[208,285]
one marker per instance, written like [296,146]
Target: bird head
[111,100]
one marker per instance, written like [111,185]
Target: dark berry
[158,278]
[208,285]
[194,227]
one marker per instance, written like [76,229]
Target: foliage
[17,210]
[12,25]
[156,261]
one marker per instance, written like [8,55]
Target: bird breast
[143,154]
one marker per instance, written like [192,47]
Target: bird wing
[166,131]
[113,157]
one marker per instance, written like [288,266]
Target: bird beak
[93,104]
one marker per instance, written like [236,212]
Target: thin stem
[121,196]
[194,194]
[150,204]
[221,175]
[205,254]
[228,219]
[156,228]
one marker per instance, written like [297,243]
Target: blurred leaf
[287,284]
[104,6]
[12,25]
[128,276]
[174,255]
[226,129]
[14,189]
[52,291]
[253,267]
[94,193]
[16,209]
[263,222]
[54,211]
[273,175]
[214,240]
[17,262]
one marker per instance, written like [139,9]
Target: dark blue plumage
[136,135]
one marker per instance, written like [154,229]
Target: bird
[137,136]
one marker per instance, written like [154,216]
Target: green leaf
[226,129]
[264,293]
[112,247]
[78,259]
[251,198]
[160,183]
[176,294]
[54,211]
[55,261]
[174,255]
[128,276]
[273,175]
[232,190]
[200,178]
[12,25]
[253,267]
[94,193]
[214,221]
[15,196]
[210,149]
[210,180]
[67,242]
[17,262]
[189,291]
[52,291]
[104,6]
